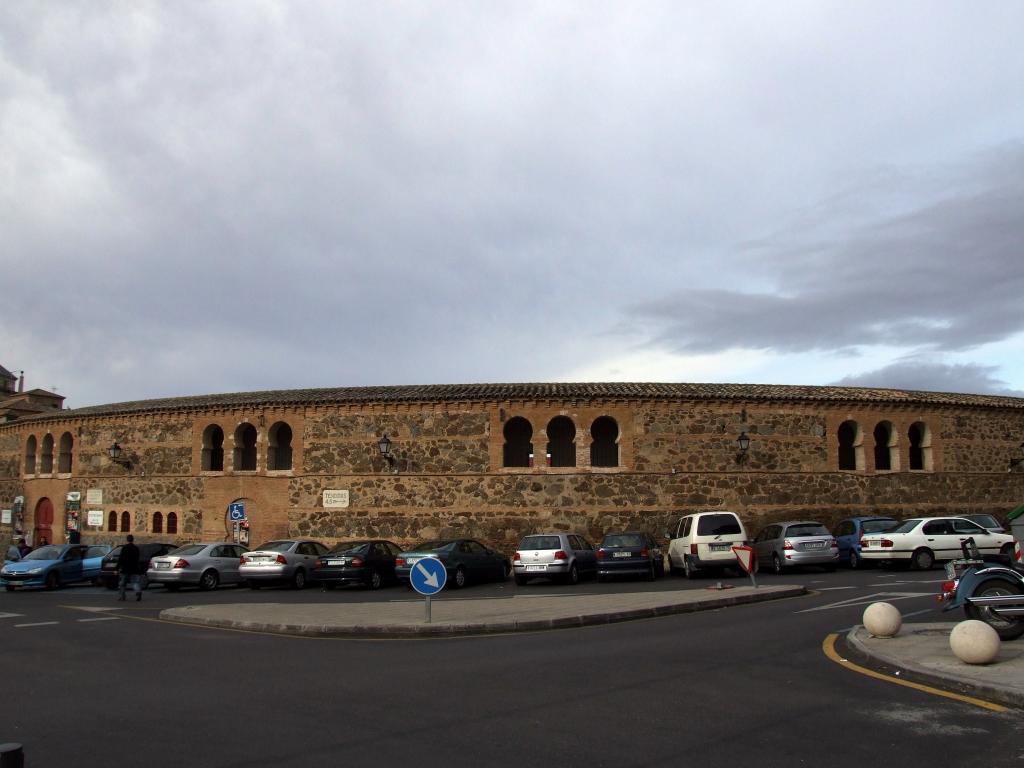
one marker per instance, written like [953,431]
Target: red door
[44,523]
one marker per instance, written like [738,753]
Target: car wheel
[922,560]
[1007,629]
[777,565]
[854,560]
[688,570]
[253,584]
[209,580]
[520,580]
[52,580]
[573,576]
[460,578]
[375,580]
[299,579]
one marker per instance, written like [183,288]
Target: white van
[704,540]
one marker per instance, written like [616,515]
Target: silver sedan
[288,560]
[199,565]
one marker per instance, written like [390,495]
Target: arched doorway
[44,523]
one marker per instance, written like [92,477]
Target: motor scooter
[989,588]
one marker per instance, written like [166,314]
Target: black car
[633,553]
[371,563]
[108,568]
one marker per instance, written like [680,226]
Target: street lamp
[384,446]
[114,452]
[742,447]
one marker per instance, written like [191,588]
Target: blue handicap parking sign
[428,576]
[236,511]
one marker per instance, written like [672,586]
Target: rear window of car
[349,546]
[277,546]
[807,529]
[189,549]
[877,526]
[429,546]
[717,525]
[541,542]
[905,527]
[623,540]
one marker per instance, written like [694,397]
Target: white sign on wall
[95,517]
[335,498]
[94,496]
[5,516]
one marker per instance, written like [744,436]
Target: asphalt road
[88,681]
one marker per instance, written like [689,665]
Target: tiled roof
[450,393]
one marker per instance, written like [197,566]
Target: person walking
[128,569]
[23,546]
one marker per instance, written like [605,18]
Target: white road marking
[833,589]
[865,600]
[10,615]
[36,624]
[100,618]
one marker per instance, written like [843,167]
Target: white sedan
[922,541]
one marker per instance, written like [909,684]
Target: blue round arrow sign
[428,576]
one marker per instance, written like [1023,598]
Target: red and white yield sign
[745,557]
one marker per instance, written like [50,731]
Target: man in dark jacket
[128,568]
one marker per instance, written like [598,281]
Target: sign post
[428,577]
[745,557]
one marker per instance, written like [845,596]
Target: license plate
[622,554]
[335,562]
[412,560]
[536,567]
[719,547]
[814,545]
[162,566]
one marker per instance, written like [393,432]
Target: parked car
[629,554]
[371,563]
[464,560]
[108,569]
[795,543]
[921,541]
[988,522]
[851,530]
[562,556]
[288,560]
[55,565]
[704,541]
[206,566]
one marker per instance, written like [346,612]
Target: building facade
[497,461]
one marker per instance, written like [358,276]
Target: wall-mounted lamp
[115,453]
[742,447]
[1016,461]
[384,446]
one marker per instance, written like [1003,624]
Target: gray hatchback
[561,556]
[795,542]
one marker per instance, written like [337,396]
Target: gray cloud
[921,374]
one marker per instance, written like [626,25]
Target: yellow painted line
[829,647]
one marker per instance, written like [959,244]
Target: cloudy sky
[201,197]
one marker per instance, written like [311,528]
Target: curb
[475,628]
[954,683]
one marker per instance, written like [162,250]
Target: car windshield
[717,525]
[807,529]
[351,546]
[188,549]
[541,542]
[905,527]
[277,546]
[431,546]
[50,552]
[877,526]
[623,540]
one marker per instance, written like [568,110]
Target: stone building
[495,461]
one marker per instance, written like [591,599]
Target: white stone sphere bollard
[882,619]
[974,642]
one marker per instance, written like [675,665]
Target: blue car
[54,565]
[849,532]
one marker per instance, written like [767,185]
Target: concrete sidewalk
[923,651]
[457,615]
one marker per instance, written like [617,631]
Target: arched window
[213,449]
[172,522]
[561,442]
[604,446]
[46,456]
[112,521]
[64,459]
[518,448]
[279,446]
[245,448]
[126,521]
[158,523]
[851,452]
[886,457]
[30,455]
[920,438]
